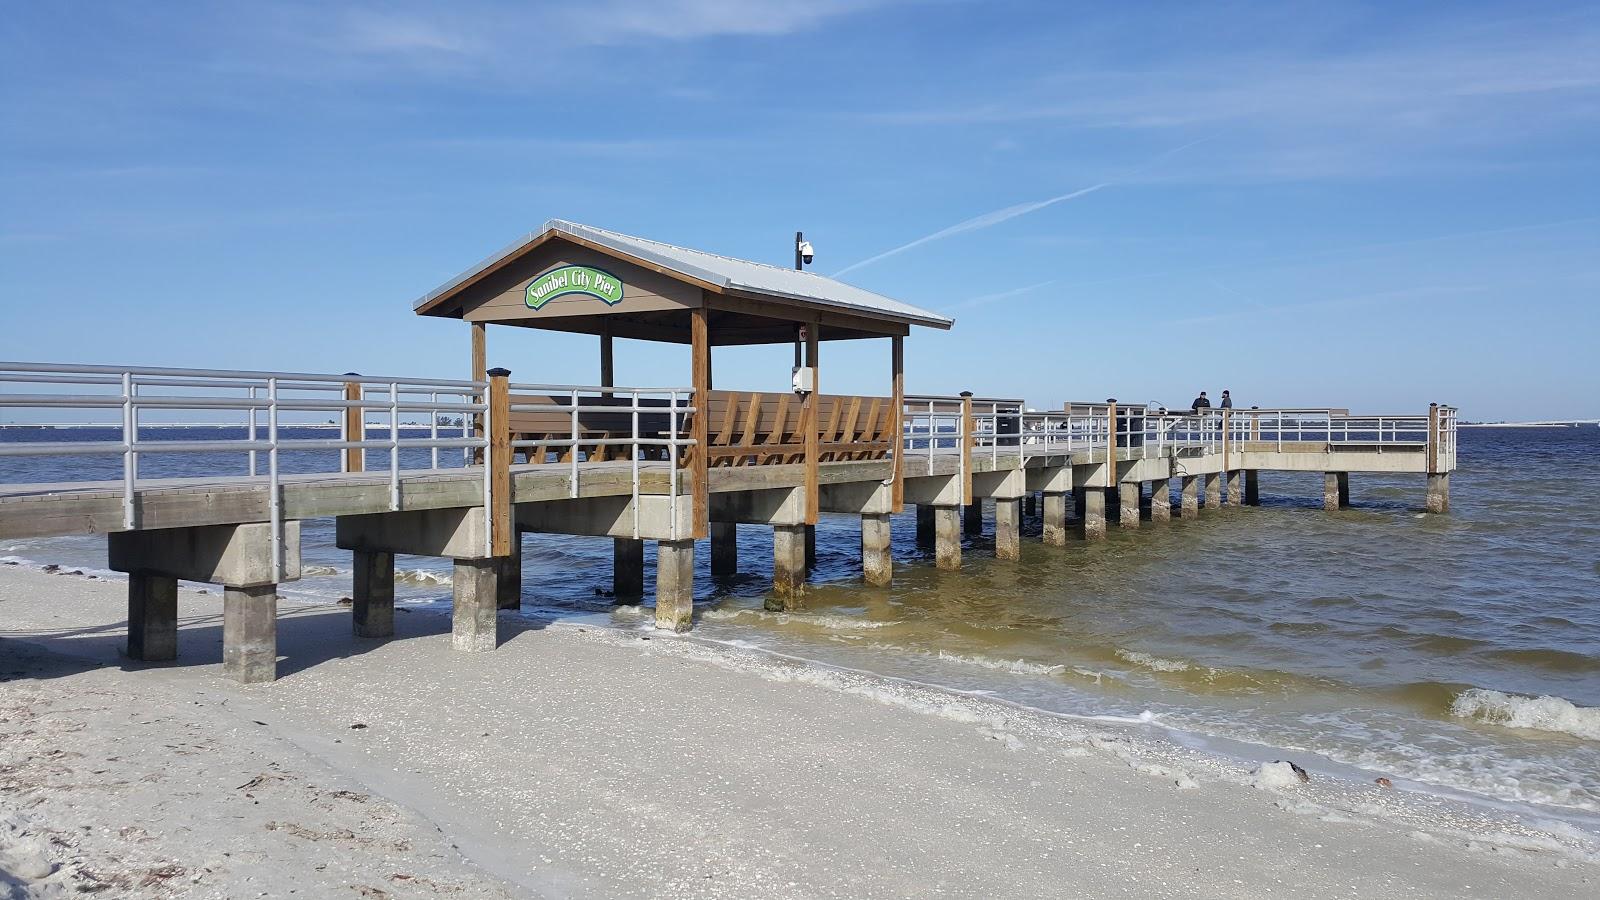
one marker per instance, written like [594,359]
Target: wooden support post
[1252,487]
[811,547]
[972,518]
[627,569]
[480,369]
[1008,528]
[1055,519]
[897,366]
[1128,502]
[724,549]
[925,527]
[508,576]
[1093,519]
[355,427]
[968,437]
[1213,489]
[499,499]
[474,599]
[1161,500]
[1438,492]
[674,585]
[877,560]
[947,537]
[1190,494]
[250,633]
[700,431]
[788,567]
[372,596]
[1344,489]
[1030,504]
[152,617]
[608,373]
[813,426]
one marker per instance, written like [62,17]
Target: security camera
[806,253]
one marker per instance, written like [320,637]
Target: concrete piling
[1008,528]
[627,569]
[1189,493]
[1030,506]
[788,566]
[1161,500]
[1331,498]
[1093,520]
[474,626]
[811,547]
[372,597]
[1235,485]
[1128,503]
[250,633]
[1213,489]
[947,537]
[925,527]
[972,518]
[877,560]
[1252,488]
[508,577]
[724,549]
[152,617]
[1055,519]
[1438,492]
[674,585]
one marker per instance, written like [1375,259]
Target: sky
[1370,206]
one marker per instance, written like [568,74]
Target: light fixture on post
[803,253]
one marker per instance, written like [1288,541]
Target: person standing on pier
[1200,402]
[1227,401]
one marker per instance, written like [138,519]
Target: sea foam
[1535,713]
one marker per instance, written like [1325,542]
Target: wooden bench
[752,428]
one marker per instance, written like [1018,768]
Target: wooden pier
[671,465]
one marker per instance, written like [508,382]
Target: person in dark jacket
[1200,402]
[1227,401]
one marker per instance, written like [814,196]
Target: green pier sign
[596,283]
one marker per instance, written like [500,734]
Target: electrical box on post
[805,379]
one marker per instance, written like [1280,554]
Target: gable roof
[724,273]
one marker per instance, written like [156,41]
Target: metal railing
[656,424]
[131,394]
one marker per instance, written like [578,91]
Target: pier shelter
[580,279]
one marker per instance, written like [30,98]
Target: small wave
[1014,666]
[815,620]
[1154,663]
[1533,713]
[420,576]
[318,571]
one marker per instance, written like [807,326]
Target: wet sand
[582,762]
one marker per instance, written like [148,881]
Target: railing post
[499,461]
[355,426]
[966,435]
[1227,438]
[1433,438]
[1111,440]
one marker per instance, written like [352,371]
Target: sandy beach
[602,762]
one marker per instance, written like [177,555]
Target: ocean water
[1457,652]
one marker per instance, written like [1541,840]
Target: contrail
[975,223]
[1011,212]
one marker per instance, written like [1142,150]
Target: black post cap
[498,373]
